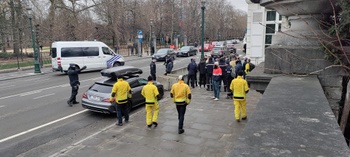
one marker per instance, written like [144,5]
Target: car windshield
[162,51]
[185,48]
[220,43]
[101,88]
[216,49]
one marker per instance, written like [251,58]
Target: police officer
[209,74]
[181,94]
[239,87]
[153,69]
[73,72]
[151,94]
[192,71]
[121,92]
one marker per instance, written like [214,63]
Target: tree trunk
[14,28]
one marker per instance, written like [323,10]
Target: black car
[187,51]
[218,52]
[231,48]
[161,54]
[96,98]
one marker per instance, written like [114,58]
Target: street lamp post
[36,54]
[203,8]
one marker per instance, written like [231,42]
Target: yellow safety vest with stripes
[239,87]
[150,92]
[121,89]
[180,92]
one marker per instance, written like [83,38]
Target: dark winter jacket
[73,75]
[239,67]
[201,67]
[192,68]
[210,66]
[223,67]
[153,68]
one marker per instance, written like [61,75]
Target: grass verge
[21,64]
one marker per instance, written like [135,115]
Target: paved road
[34,115]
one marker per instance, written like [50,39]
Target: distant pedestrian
[240,88]
[168,64]
[120,95]
[209,73]
[151,94]
[223,66]
[238,67]
[202,70]
[217,73]
[192,71]
[181,94]
[153,69]
[73,72]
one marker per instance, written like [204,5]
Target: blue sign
[139,32]
[140,40]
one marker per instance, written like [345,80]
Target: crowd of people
[217,73]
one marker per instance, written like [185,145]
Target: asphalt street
[35,117]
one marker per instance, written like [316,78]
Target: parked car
[161,53]
[206,48]
[221,44]
[232,48]
[219,52]
[96,98]
[187,51]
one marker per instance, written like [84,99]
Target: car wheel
[116,64]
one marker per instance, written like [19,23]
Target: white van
[92,54]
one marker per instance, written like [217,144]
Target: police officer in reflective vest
[240,88]
[181,94]
[151,94]
[73,72]
[121,92]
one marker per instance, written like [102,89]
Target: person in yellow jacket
[150,92]
[121,92]
[181,94]
[240,88]
[247,67]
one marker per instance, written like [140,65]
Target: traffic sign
[139,32]
[140,36]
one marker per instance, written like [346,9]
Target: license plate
[95,98]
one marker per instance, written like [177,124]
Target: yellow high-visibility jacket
[239,87]
[150,92]
[180,92]
[122,92]
[246,68]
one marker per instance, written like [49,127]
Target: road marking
[40,90]
[44,96]
[41,126]
[67,149]
[7,86]
[2,106]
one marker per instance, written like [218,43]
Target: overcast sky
[240,4]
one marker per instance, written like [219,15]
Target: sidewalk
[8,74]
[210,130]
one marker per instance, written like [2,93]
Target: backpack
[251,66]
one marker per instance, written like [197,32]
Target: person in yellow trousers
[240,88]
[121,93]
[181,94]
[150,92]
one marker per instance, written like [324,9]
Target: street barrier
[169,79]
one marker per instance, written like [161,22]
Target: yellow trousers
[240,108]
[149,117]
